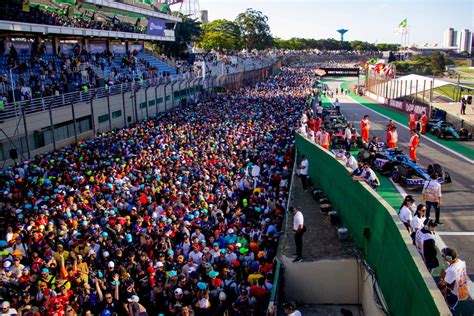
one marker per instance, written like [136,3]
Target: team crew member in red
[392,137]
[389,127]
[424,120]
[413,144]
[412,120]
[365,128]
[324,139]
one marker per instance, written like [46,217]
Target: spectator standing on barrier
[298,230]
[303,170]
[392,137]
[405,212]
[432,197]
[413,144]
[365,128]
[425,242]
[454,279]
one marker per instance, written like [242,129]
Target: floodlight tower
[342,32]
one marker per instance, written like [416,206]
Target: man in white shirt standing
[298,230]
[304,172]
[454,279]
[348,136]
[432,197]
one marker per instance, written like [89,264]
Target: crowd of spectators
[176,215]
[38,16]
[80,70]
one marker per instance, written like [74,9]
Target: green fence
[404,281]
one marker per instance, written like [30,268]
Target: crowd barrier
[406,284]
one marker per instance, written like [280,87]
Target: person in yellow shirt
[255,275]
[61,253]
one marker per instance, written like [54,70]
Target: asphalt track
[457,210]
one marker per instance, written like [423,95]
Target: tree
[438,63]
[186,32]
[254,29]
[388,47]
[220,35]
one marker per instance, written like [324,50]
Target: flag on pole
[402,26]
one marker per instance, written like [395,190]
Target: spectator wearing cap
[134,307]
[243,304]
[7,309]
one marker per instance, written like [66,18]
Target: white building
[450,38]
[465,41]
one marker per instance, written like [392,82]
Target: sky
[367,20]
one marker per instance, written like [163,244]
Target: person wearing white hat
[135,308]
[6,310]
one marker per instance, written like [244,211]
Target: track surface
[457,209]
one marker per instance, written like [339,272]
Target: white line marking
[455,233]
[471,161]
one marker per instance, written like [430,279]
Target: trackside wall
[407,286]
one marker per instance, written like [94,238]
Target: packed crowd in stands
[14,13]
[40,77]
[176,215]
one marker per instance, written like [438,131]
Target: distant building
[465,41]
[450,38]
[204,16]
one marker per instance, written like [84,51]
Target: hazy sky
[369,20]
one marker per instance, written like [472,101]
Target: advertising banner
[339,72]
[399,105]
[155,27]
[22,47]
[119,49]
[133,47]
[97,47]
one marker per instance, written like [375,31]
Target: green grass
[466,70]
[448,91]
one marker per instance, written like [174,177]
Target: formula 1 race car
[392,162]
[337,139]
[446,130]
[334,122]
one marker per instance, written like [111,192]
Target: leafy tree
[388,47]
[186,32]
[438,63]
[254,29]
[221,35]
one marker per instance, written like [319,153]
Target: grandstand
[51,47]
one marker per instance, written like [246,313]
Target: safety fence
[31,127]
[407,286]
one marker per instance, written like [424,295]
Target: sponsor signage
[155,27]
[399,105]
[340,72]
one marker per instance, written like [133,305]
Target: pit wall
[407,286]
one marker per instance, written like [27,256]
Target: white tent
[408,85]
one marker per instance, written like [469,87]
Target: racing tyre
[438,169]
[399,173]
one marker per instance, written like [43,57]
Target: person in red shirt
[424,120]
[365,128]
[413,144]
[392,137]
[412,120]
